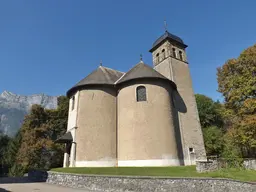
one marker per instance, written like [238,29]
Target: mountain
[14,107]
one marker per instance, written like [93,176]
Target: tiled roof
[100,76]
[169,36]
[139,71]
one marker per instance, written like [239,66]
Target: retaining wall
[214,165]
[250,164]
[206,166]
[142,184]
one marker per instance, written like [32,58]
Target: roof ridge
[105,72]
[141,70]
[155,70]
[100,76]
[119,78]
[130,70]
[111,69]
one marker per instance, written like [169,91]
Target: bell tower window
[174,52]
[157,58]
[181,56]
[163,53]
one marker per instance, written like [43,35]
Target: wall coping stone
[210,161]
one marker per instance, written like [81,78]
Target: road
[36,187]
[23,185]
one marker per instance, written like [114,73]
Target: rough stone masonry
[142,184]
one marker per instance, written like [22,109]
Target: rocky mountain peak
[14,107]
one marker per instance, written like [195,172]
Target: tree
[59,117]
[4,139]
[12,150]
[13,147]
[237,83]
[39,130]
[209,111]
[213,140]
[210,115]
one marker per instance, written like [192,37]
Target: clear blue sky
[48,46]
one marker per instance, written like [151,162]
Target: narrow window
[163,52]
[157,57]
[141,93]
[174,52]
[181,56]
[73,103]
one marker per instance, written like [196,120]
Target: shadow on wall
[178,102]
[179,107]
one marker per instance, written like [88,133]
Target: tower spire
[100,62]
[165,25]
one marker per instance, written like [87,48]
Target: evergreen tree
[12,150]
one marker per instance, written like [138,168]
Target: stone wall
[214,165]
[206,166]
[250,164]
[147,184]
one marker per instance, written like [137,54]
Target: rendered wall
[187,118]
[69,159]
[72,115]
[96,128]
[146,135]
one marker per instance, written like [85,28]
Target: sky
[48,46]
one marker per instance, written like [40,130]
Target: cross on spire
[165,25]
[141,58]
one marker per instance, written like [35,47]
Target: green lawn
[183,171]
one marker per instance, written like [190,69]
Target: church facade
[145,117]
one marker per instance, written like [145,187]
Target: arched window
[174,52]
[73,103]
[141,93]
[181,56]
[157,57]
[163,52]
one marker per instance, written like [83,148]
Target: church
[144,117]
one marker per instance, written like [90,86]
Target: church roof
[141,71]
[100,76]
[66,138]
[166,36]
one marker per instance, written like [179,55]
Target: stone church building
[144,117]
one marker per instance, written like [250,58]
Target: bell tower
[170,59]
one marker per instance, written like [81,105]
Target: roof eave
[166,39]
[66,138]
[140,78]
[76,88]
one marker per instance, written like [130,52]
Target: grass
[183,171]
